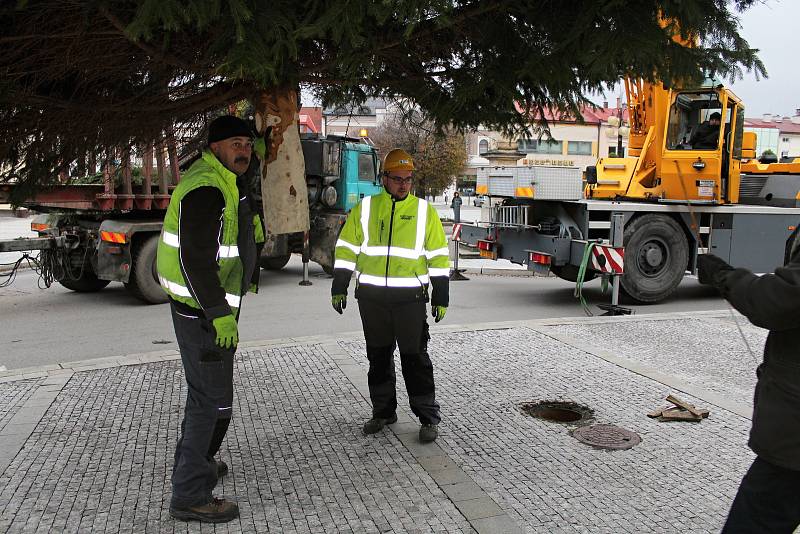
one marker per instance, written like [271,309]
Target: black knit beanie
[227,126]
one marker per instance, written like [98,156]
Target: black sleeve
[440,294]
[200,223]
[341,281]
[771,301]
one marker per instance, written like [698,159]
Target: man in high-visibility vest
[395,244]
[207,261]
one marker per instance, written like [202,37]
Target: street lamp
[618,130]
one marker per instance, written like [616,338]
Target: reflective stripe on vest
[183,291]
[344,264]
[408,253]
[345,244]
[224,251]
[391,281]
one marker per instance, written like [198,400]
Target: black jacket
[772,301]
[200,228]
[705,136]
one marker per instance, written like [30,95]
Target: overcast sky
[773,27]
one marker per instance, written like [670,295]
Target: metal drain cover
[607,437]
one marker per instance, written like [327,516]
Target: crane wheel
[656,257]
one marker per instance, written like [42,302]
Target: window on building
[543,146]
[785,139]
[612,152]
[579,148]
[483,146]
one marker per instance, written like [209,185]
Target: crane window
[695,120]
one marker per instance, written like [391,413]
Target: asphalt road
[42,326]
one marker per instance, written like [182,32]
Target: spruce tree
[80,75]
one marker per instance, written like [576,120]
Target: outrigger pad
[613,309]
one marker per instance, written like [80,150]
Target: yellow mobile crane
[690,184]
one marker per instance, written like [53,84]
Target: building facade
[779,134]
[573,143]
[355,121]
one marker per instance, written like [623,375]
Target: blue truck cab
[359,174]
[340,171]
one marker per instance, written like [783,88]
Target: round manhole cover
[607,437]
[557,411]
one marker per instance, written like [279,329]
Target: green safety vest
[393,243]
[207,171]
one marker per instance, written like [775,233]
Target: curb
[489,271]
[140,358]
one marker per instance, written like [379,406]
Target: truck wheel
[87,283]
[570,273]
[143,282]
[656,257]
[276,263]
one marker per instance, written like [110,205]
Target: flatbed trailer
[93,234]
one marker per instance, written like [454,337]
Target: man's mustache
[242,159]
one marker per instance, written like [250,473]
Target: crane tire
[656,257]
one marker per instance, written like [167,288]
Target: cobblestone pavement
[681,478]
[100,457]
[705,351]
[12,396]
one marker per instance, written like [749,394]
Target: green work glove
[227,331]
[438,312]
[339,302]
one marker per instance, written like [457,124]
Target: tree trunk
[283,174]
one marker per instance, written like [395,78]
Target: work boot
[428,433]
[376,424]
[217,511]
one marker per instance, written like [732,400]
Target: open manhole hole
[607,437]
[557,411]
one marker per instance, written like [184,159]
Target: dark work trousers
[209,377]
[387,325]
[768,501]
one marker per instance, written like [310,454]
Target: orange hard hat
[398,160]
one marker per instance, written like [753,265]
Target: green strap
[587,253]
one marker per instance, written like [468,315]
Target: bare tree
[439,153]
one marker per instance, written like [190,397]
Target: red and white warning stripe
[456,235]
[607,259]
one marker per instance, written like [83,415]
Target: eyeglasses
[399,180]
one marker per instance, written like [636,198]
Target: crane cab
[686,146]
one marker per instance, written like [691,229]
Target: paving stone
[533,469]
[706,352]
[101,457]
[13,396]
